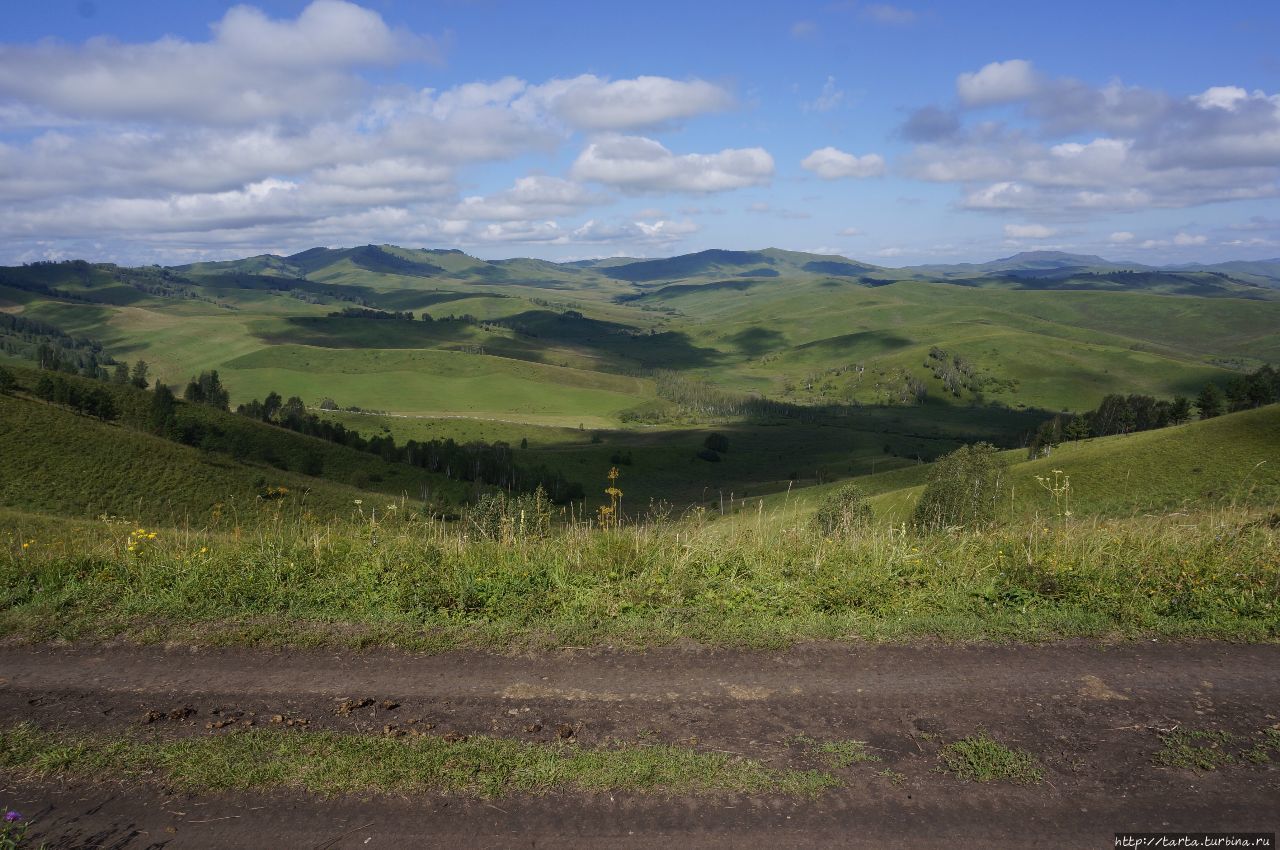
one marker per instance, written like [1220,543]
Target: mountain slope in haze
[767,263]
[1029,269]
[1026,261]
[1057,270]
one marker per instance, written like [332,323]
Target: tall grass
[395,577]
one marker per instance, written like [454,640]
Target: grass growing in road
[330,763]
[1195,749]
[837,754]
[1210,749]
[980,758]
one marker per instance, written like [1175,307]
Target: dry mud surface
[1091,713]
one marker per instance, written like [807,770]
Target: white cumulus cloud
[998,82]
[640,164]
[833,164]
[254,68]
[588,102]
[529,198]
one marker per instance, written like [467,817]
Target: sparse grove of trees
[89,400]
[208,390]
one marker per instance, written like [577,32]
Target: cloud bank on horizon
[330,123]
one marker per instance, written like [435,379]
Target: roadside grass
[980,758]
[393,577]
[330,763]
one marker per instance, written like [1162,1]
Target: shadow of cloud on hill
[344,332]
[861,343]
[756,340]
[675,290]
[622,342]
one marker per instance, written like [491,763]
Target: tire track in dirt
[1090,712]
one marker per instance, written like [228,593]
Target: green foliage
[1180,412]
[1210,401]
[208,390]
[7,381]
[963,490]
[138,375]
[81,396]
[843,513]
[164,412]
[499,516]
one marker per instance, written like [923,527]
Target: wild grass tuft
[980,758]
[837,754]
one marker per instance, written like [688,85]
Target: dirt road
[1091,714]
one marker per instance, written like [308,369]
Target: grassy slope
[57,461]
[418,584]
[1067,349]
[1230,459]
[61,463]
[417,381]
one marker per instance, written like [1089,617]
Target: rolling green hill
[58,461]
[1231,459]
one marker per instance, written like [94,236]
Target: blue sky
[904,133]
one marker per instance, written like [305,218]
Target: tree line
[1126,414]
[475,461]
[51,348]
[157,412]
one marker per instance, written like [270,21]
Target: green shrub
[963,489]
[842,512]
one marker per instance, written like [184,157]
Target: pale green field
[439,382]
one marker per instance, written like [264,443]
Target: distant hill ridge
[438,261]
